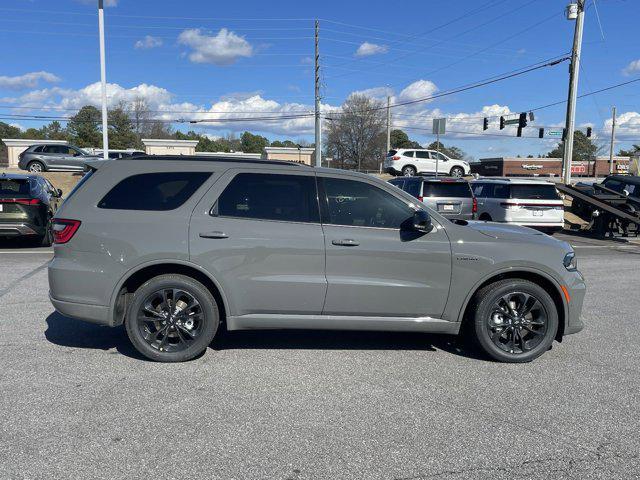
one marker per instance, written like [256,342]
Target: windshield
[534,192]
[457,190]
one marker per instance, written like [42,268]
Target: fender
[175,261]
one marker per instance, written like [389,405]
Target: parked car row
[56,157]
[524,202]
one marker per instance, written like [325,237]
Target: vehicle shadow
[69,332]
[18,243]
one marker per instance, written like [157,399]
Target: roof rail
[211,159]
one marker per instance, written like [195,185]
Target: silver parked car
[54,157]
[173,247]
[451,197]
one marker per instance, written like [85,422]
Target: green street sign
[554,133]
[513,121]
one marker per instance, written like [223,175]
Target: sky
[251,58]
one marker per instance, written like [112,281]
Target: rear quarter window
[153,191]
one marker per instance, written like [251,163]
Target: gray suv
[51,157]
[174,247]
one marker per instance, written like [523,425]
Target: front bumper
[576,288]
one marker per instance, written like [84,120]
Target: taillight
[64,229]
[474,208]
[420,198]
[395,157]
[21,201]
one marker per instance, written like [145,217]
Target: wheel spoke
[531,330]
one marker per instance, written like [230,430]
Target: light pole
[103,80]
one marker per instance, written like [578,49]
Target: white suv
[531,203]
[411,161]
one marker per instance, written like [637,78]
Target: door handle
[346,242]
[213,235]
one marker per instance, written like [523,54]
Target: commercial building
[547,167]
[291,154]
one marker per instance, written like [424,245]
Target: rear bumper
[18,229]
[98,314]
[391,171]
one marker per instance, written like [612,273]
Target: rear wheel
[409,171]
[485,217]
[172,318]
[47,239]
[515,320]
[36,167]
[457,172]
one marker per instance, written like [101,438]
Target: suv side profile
[173,247]
[53,157]
[525,202]
[450,197]
[413,161]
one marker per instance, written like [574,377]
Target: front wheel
[409,171]
[457,172]
[515,320]
[172,318]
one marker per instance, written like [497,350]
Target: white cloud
[148,42]
[627,125]
[417,90]
[631,68]
[28,80]
[367,49]
[107,3]
[224,48]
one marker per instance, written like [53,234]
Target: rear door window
[423,155]
[264,196]
[153,191]
[443,189]
[412,187]
[534,192]
[408,154]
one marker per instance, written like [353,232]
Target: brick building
[546,167]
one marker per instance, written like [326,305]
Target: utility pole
[613,140]
[103,80]
[388,128]
[317,95]
[573,11]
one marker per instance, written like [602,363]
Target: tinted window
[412,187]
[500,191]
[288,198]
[534,192]
[439,156]
[422,154]
[444,189]
[359,204]
[14,186]
[153,191]
[51,149]
[392,153]
[481,190]
[38,149]
[614,185]
[408,154]
[398,182]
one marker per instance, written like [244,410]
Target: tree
[251,143]
[633,151]
[54,131]
[83,127]
[399,139]
[451,152]
[284,143]
[140,115]
[357,134]
[583,148]
[121,134]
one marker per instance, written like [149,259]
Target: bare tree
[356,135]
[140,115]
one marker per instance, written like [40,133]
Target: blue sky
[252,58]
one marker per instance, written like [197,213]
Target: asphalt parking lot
[76,401]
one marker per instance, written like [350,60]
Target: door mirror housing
[422,221]
[58,192]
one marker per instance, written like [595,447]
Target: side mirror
[422,221]
[59,192]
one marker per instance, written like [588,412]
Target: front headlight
[570,262]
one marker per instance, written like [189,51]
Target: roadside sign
[554,133]
[513,121]
[439,126]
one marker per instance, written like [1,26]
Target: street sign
[513,121]
[554,133]
[439,126]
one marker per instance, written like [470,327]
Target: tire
[510,338]
[47,239]
[457,172]
[36,167]
[166,338]
[485,217]
[409,171]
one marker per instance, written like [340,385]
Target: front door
[258,233]
[376,266]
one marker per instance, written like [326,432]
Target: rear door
[53,155]
[374,266]
[72,159]
[258,232]
[424,163]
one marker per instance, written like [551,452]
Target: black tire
[47,239]
[485,217]
[517,339]
[409,171]
[36,167]
[143,333]
[457,172]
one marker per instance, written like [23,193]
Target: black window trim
[213,211]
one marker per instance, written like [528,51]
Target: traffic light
[501,123]
[485,124]
[522,121]
[531,117]
[519,134]
[541,133]
[589,130]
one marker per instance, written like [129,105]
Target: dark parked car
[450,197]
[27,205]
[41,158]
